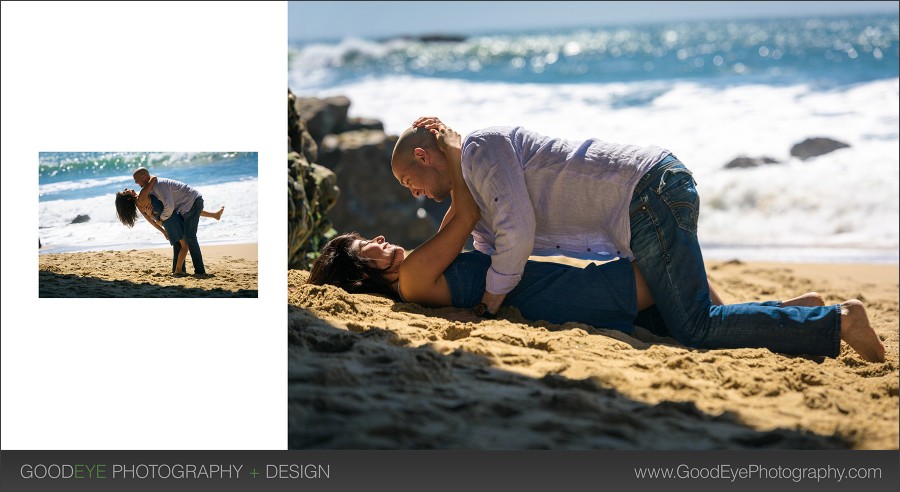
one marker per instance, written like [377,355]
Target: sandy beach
[367,372]
[232,272]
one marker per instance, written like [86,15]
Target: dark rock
[358,152]
[742,162]
[312,191]
[373,202]
[428,38]
[323,116]
[441,38]
[80,218]
[814,147]
[363,124]
[299,140]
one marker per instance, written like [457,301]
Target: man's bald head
[141,176]
[410,139]
[420,166]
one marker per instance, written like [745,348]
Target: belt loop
[662,182]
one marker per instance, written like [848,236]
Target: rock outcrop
[743,162]
[814,147]
[312,192]
[805,150]
[359,152]
[80,219]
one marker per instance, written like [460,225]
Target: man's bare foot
[810,299]
[218,215]
[858,333]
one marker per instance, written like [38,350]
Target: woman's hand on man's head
[447,138]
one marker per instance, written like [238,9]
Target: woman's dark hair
[341,265]
[126,208]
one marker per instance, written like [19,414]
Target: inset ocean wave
[67,165]
[77,175]
[76,184]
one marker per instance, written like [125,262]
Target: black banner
[471,471]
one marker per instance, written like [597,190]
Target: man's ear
[422,156]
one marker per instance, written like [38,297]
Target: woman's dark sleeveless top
[598,295]
[173,226]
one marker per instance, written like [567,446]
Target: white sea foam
[83,184]
[848,198]
[104,231]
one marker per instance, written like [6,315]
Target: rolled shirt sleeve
[175,197]
[497,181]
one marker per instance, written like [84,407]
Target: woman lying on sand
[127,206]
[609,295]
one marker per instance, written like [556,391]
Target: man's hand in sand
[463,316]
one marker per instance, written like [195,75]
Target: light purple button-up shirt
[548,196]
[175,196]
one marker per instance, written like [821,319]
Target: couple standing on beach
[519,193]
[174,208]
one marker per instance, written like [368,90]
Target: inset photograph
[148,224]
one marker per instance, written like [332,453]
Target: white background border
[121,373]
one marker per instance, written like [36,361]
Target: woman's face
[382,253]
[130,192]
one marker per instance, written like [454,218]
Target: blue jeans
[598,295]
[191,221]
[664,212]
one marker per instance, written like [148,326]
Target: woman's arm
[157,225]
[448,215]
[144,195]
[421,271]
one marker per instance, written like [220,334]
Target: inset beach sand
[232,272]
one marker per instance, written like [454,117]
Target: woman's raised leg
[213,215]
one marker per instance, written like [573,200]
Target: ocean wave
[66,165]
[846,50]
[847,198]
[64,186]
[104,231]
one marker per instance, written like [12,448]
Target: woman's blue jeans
[664,212]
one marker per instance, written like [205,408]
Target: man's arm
[492,301]
[503,192]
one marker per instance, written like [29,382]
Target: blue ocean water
[85,183]
[828,52]
[709,91]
